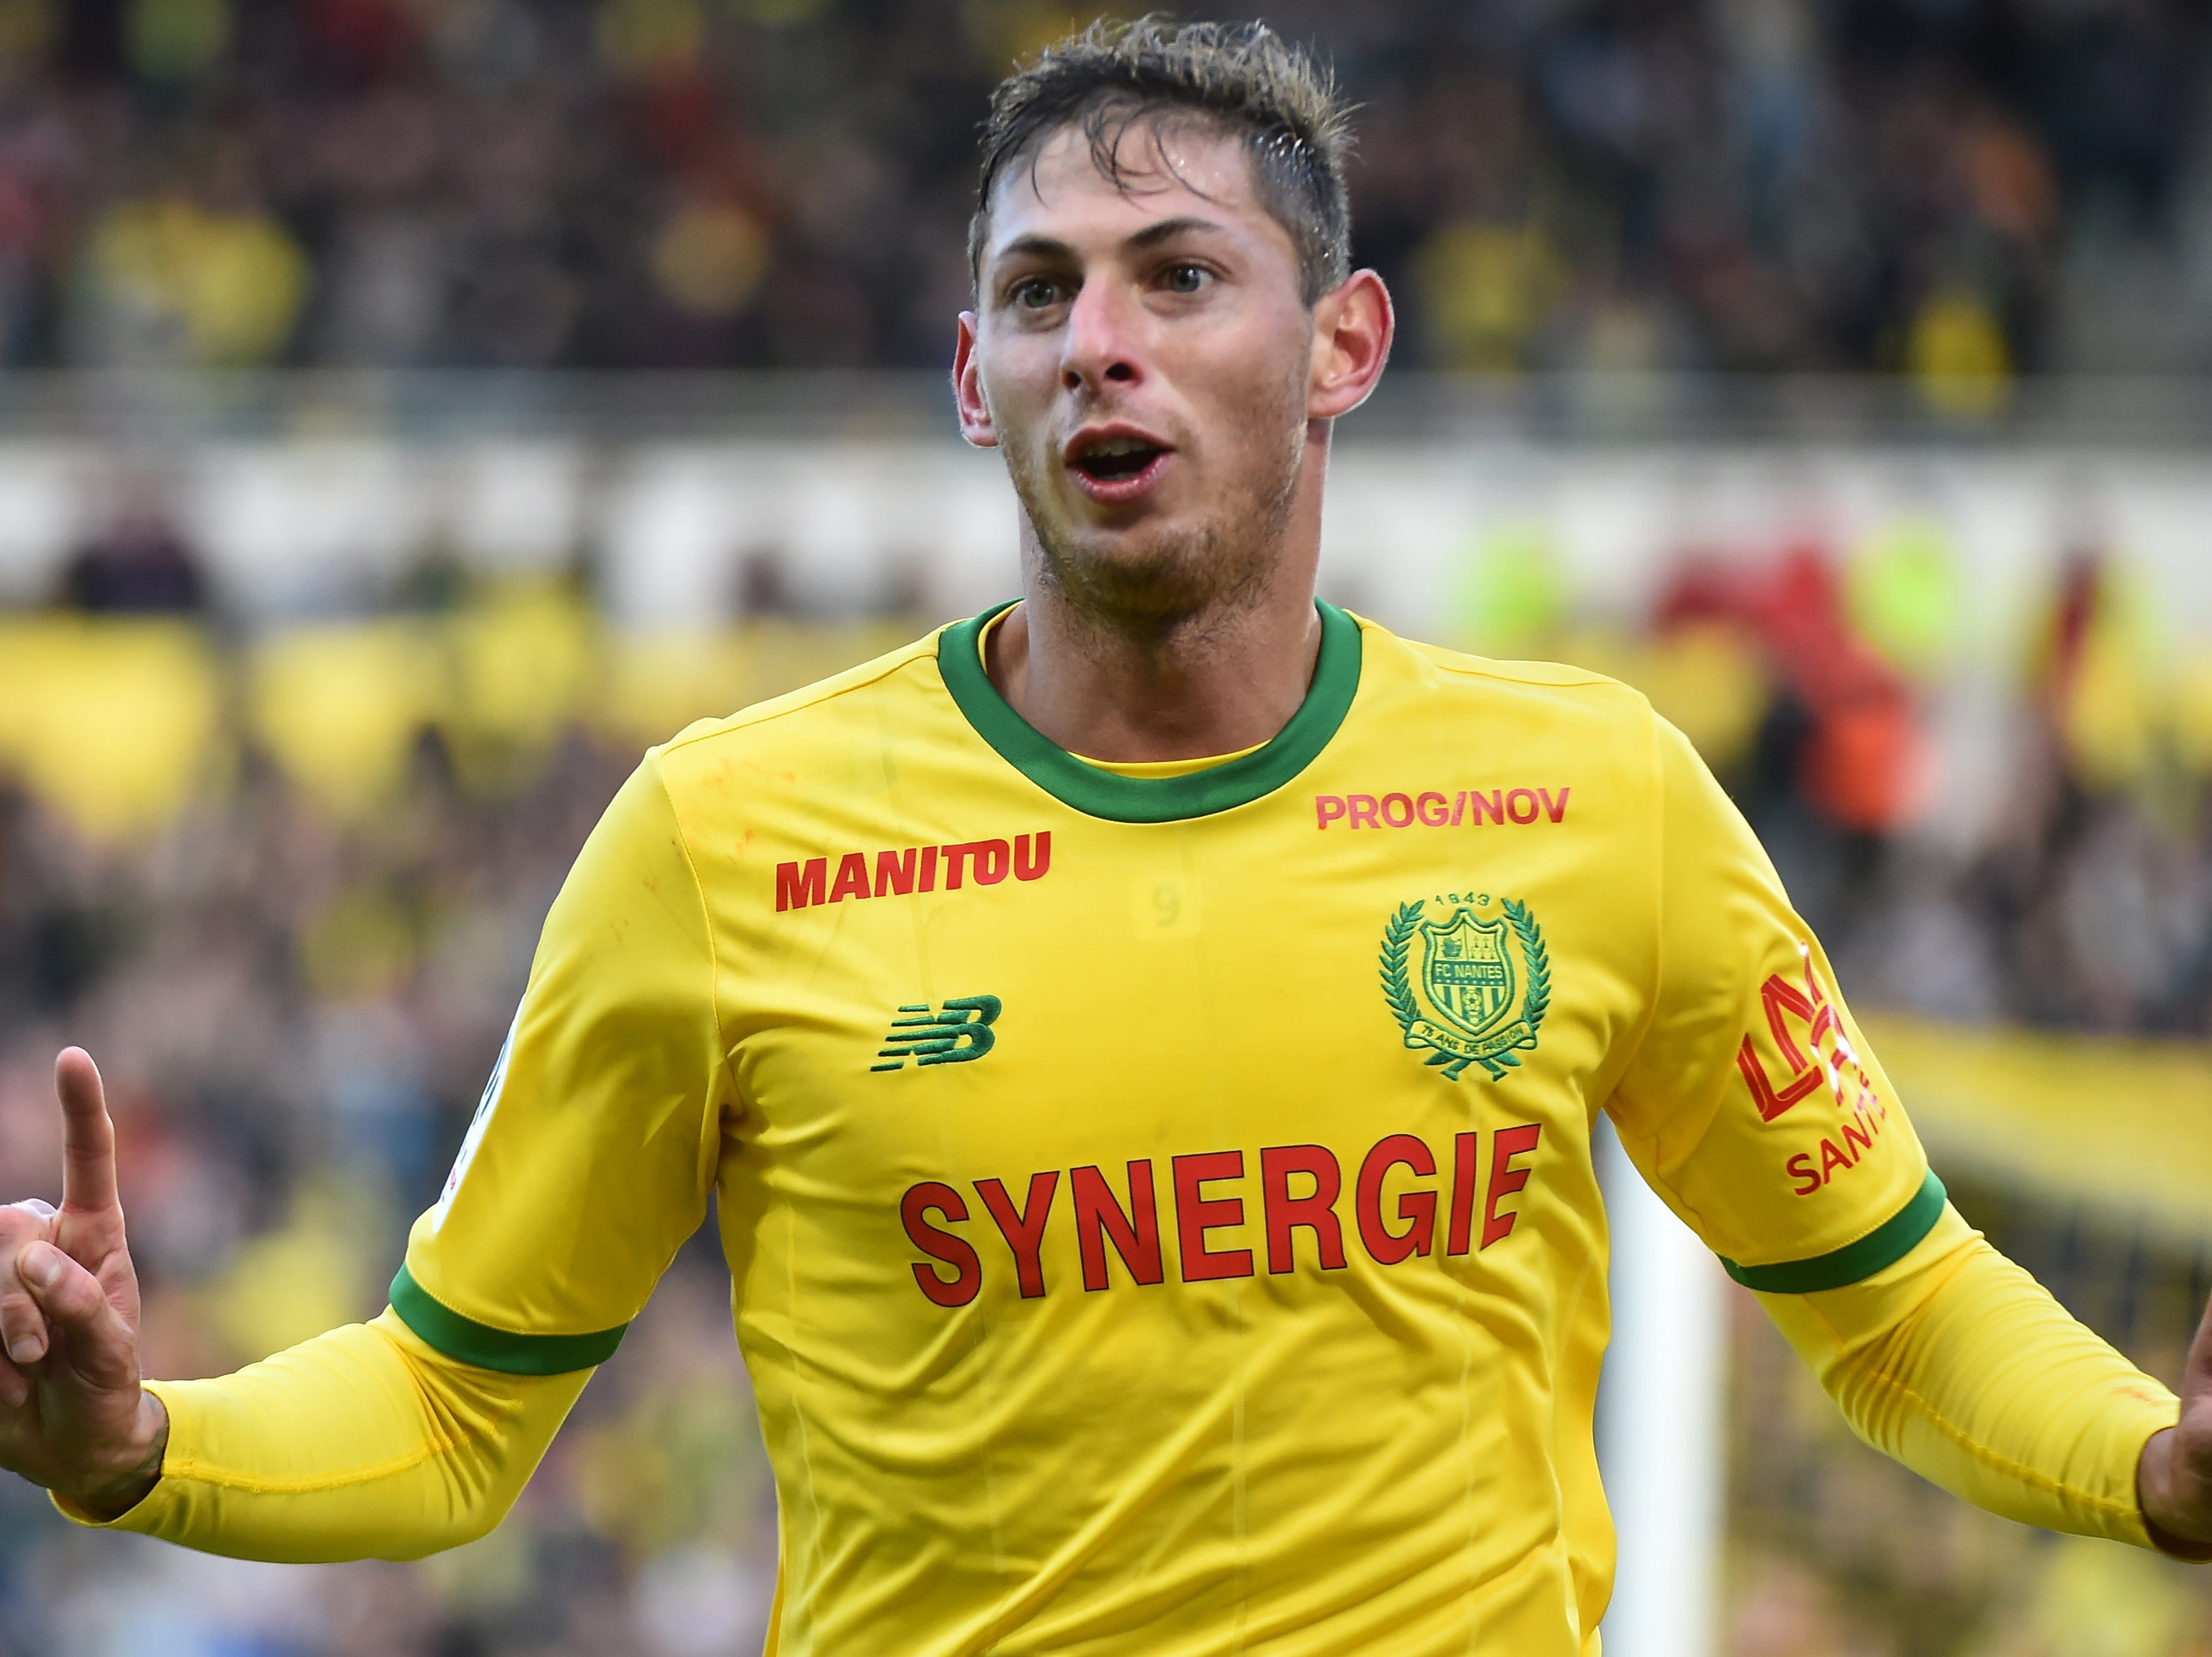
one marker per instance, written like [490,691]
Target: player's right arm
[589,1162]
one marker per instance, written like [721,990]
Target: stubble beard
[1177,582]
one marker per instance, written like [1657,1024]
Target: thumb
[89,1329]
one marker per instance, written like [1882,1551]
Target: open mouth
[1116,459]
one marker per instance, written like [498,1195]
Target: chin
[1161,569]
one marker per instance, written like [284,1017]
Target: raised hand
[72,1414]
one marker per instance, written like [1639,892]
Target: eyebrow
[1042,247]
[1048,248]
[1168,229]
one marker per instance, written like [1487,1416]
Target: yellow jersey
[1160,1208]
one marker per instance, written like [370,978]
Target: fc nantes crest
[1482,983]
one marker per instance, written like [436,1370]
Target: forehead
[1157,167]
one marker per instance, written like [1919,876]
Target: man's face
[1141,353]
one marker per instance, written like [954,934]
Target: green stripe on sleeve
[471,1342]
[1887,1244]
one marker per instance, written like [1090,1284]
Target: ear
[1354,326]
[976,422]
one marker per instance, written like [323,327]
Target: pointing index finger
[88,1136]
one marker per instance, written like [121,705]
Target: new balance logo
[960,1032]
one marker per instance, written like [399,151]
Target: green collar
[1154,799]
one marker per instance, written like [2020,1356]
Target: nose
[1099,346]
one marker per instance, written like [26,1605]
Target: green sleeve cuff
[1887,1244]
[463,1338]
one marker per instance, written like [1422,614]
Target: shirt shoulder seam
[1658,946]
[1557,675]
[851,680]
[706,925]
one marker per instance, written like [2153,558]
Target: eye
[1034,293]
[1185,278]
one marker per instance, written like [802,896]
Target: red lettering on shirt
[895,872]
[1462,1193]
[1827,1056]
[1432,808]
[1299,1187]
[1029,867]
[1196,1214]
[1417,1208]
[1023,1228]
[1861,1129]
[1505,1179]
[905,870]
[940,1245]
[1315,1211]
[1099,1219]
[795,888]
[852,878]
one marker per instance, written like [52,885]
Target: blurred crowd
[295,993]
[2023,839]
[1960,189]
[2082,898]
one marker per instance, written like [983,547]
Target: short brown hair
[1243,77]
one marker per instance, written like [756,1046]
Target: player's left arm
[1755,1108]
[1958,1363]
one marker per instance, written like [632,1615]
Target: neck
[1221,678]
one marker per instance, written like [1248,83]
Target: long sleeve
[1754,1107]
[588,1164]
[1961,1366]
[363,1442]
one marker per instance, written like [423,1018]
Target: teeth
[1120,446]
